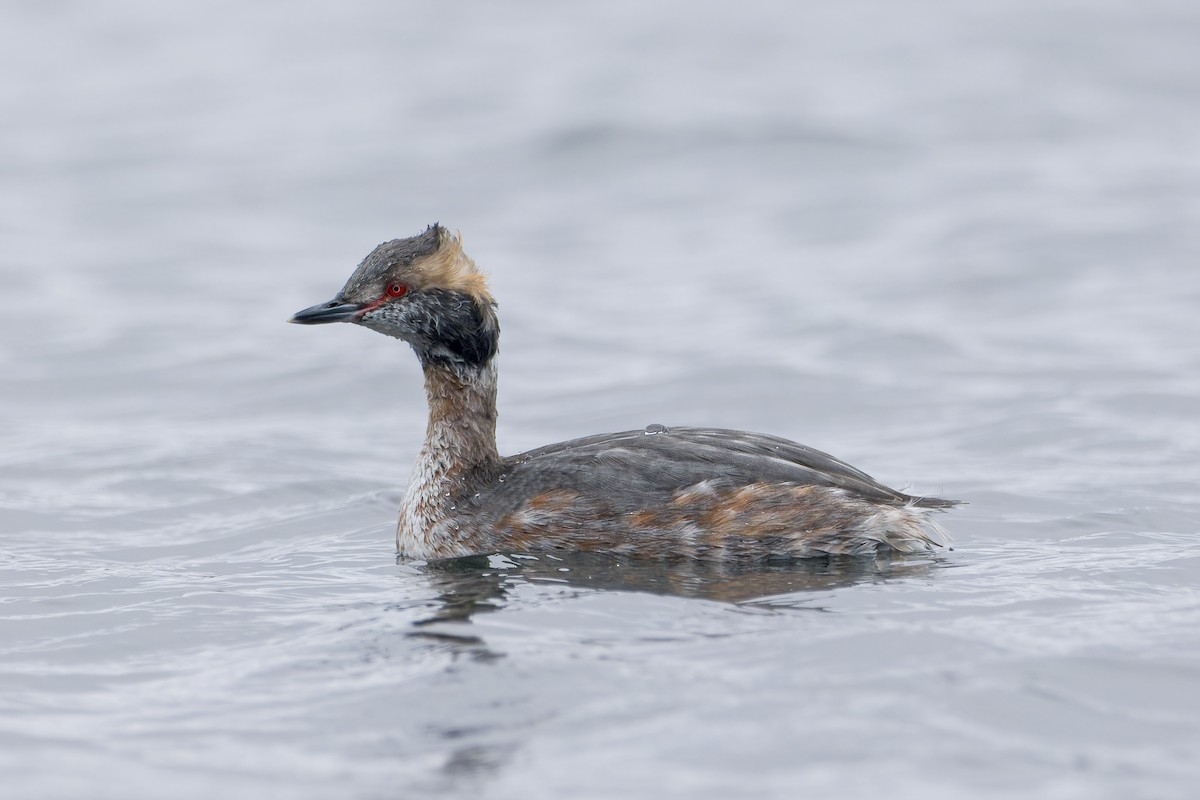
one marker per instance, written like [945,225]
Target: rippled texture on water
[952,243]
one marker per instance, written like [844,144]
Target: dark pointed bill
[333,311]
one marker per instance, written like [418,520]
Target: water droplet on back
[650,430]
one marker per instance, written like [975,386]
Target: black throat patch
[454,328]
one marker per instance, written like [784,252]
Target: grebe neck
[461,433]
[460,442]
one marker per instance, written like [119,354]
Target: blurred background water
[952,243]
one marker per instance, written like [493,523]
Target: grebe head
[424,290]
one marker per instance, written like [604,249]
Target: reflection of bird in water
[703,493]
[469,586]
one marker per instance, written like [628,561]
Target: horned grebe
[663,492]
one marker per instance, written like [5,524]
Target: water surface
[953,244]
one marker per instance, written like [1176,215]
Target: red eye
[397,290]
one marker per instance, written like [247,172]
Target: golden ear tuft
[451,268]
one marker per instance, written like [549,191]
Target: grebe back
[657,492]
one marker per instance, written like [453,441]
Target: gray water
[953,243]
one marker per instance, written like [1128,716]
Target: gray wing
[646,467]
